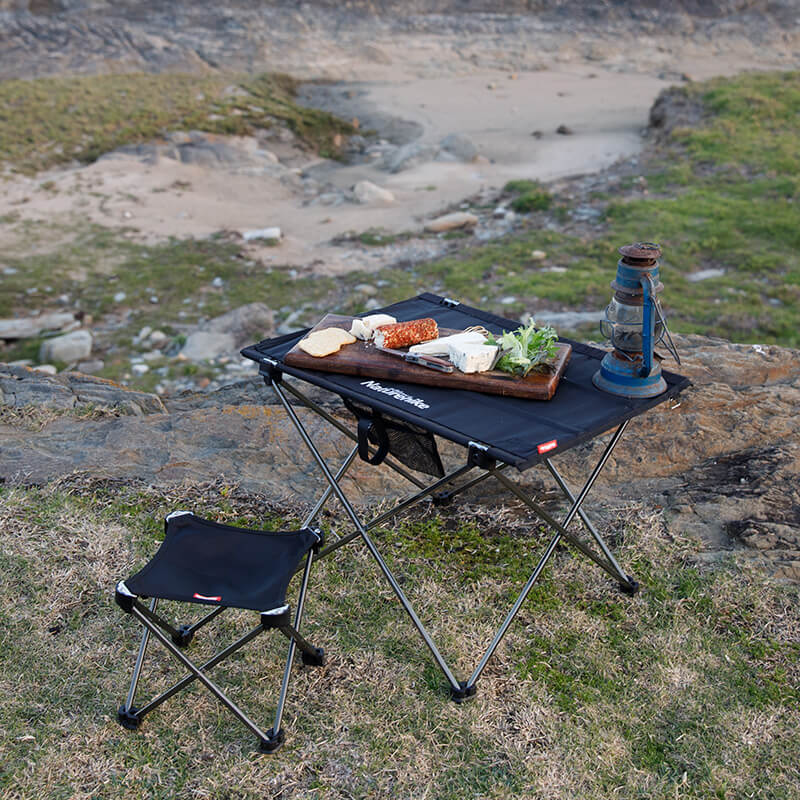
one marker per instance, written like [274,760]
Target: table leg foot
[630,588]
[129,718]
[463,693]
[273,742]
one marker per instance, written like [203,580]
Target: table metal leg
[560,531]
[365,536]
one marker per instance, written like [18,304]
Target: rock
[46,369]
[537,134]
[140,369]
[20,386]
[269,234]
[206,345]
[119,297]
[367,193]
[226,334]
[704,275]
[408,156]
[538,255]
[566,320]
[366,289]
[564,130]
[499,212]
[69,348]
[90,367]
[156,337]
[449,222]
[460,146]
[218,283]
[29,327]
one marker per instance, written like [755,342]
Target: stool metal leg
[127,714]
[276,734]
[198,673]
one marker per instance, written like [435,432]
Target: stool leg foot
[315,659]
[185,635]
[629,588]
[272,742]
[463,693]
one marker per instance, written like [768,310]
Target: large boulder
[21,387]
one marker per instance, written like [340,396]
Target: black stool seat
[206,562]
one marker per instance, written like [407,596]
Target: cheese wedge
[441,347]
[472,357]
[364,327]
[325,342]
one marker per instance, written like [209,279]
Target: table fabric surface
[519,432]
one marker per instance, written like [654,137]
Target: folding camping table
[497,433]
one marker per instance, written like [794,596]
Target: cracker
[325,342]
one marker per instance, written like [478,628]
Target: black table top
[516,431]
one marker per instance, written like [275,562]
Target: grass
[50,121]
[689,690]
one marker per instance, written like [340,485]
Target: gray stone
[90,367]
[460,145]
[227,334]
[567,319]
[69,348]
[28,327]
[408,156]
[368,193]
[704,275]
[449,222]
[273,233]
[206,345]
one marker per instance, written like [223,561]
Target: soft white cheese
[364,327]
[441,347]
[472,357]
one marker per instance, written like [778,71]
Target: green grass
[688,689]
[530,196]
[49,121]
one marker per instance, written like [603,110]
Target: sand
[607,111]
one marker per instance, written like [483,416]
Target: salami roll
[404,334]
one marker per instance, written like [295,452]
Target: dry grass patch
[689,689]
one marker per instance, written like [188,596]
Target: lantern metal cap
[644,251]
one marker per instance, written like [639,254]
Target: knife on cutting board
[431,362]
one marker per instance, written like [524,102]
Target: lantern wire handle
[668,343]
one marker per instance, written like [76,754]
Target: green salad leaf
[525,349]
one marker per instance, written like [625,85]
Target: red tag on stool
[546,447]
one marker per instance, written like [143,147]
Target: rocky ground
[451,105]
[722,462]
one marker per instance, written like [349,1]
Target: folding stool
[209,563]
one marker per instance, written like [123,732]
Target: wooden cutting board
[362,359]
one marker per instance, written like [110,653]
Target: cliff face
[722,462]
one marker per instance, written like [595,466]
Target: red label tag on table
[546,447]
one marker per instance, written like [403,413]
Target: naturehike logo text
[397,394]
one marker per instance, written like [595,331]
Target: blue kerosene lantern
[635,324]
